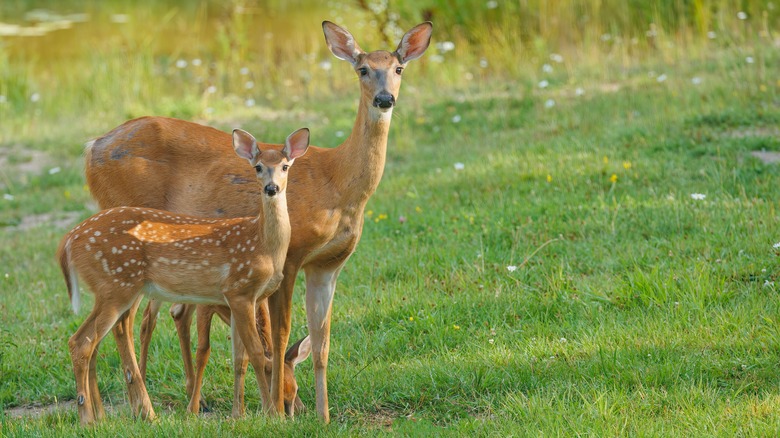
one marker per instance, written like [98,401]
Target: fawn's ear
[341,43]
[414,42]
[298,352]
[296,144]
[245,145]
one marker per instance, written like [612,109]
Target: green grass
[634,310]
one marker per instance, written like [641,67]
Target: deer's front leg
[280,307]
[243,330]
[320,288]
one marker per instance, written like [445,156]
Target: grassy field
[574,235]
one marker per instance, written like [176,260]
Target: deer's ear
[414,42]
[341,43]
[245,145]
[298,352]
[296,144]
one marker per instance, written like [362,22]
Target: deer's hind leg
[83,348]
[123,333]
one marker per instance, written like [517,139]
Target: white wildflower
[543,83]
[698,196]
[547,68]
[54,170]
[459,166]
[742,15]
[511,268]
[492,4]
[456,118]
[549,103]
[181,63]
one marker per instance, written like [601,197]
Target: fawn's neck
[361,158]
[275,223]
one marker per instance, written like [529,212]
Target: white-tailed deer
[126,252]
[181,166]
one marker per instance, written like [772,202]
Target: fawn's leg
[148,323]
[242,324]
[82,346]
[136,389]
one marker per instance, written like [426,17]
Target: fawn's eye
[398,70]
[363,71]
[258,168]
[285,167]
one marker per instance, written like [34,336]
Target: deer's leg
[82,346]
[280,306]
[244,330]
[202,353]
[320,287]
[94,392]
[240,361]
[148,323]
[182,317]
[123,333]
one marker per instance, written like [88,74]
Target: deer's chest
[330,239]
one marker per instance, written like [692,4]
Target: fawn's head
[296,354]
[380,71]
[271,165]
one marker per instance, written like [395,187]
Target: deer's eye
[398,70]
[258,168]
[285,167]
[363,71]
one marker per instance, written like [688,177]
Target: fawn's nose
[384,100]
[271,189]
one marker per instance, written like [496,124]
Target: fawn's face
[271,167]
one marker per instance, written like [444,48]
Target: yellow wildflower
[613,178]
[606,160]
[627,165]
[549,178]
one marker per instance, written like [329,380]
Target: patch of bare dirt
[35,411]
[753,131]
[767,157]
[63,220]
[16,160]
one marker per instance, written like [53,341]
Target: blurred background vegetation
[88,65]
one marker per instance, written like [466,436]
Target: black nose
[271,189]
[384,100]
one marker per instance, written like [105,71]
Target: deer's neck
[361,158]
[275,227]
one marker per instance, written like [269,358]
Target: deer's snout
[271,189]
[384,100]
